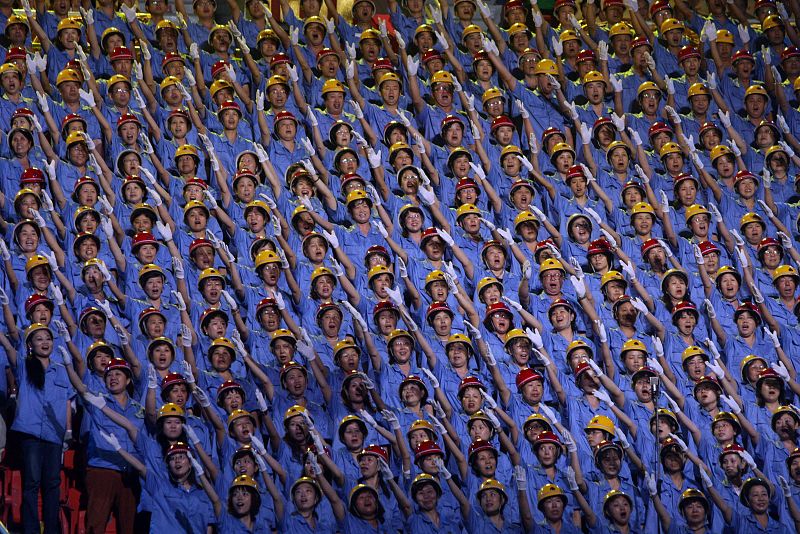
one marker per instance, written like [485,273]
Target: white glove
[367,417]
[512,303]
[105,307]
[748,459]
[401,43]
[58,296]
[672,404]
[602,51]
[331,238]
[725,118]
[580,287]
[711,81]
[507,236]
[610,238]
[431,377]
[98,401]
[490,402]
[786,241]
[603,396]
[673,115]
[651,63]
[594,215]
[444,236]
[765,53]
[441,468]
[782,124]
[639,305]
[112,440]
[670,86]
[87,97]
[473,330]
[731,404]
[305,142]
[617,85]
[786,149]
[556,46]
[194,52]
[535,338]
[619,122]
[571,479]
[491,415]
[757,295]
[412,66]
[539,213]
[196,465]
[680,442]
[230,300]
[767,211]
[385,470]
[655,365]
[525,163]
[650,482]
[520,107]
[773,337]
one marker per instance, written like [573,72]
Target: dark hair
[255,504]
[34,372]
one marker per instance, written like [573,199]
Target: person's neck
[231,135]
[121,398]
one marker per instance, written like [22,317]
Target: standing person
[42,420]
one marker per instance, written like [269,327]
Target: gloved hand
[112,440]
[603,396]
[439,463]
[98,401]
[731,404]
[521,478]
[431,377]
[680,442]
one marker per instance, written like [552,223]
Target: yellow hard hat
[220,84]
[492,92]
[697,89]
[612,276]
[785,270]
[547,491]
[600,422]
[592,76]
[546,66]
[695,209]
[669,148]
[467,209]
[642,207]
[620,28]
[772,21]
[171,409]
[68,75]
[266,256]
[647,86]
[719,151]
[69,23]
[671,24]
[469,30]
[441,76]
[524,217]
[332,86]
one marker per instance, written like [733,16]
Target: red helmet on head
[525,375]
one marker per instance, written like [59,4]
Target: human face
[426,497]
[759,499]
[471,400]
[746,324]
[491,502]
[619,510]
[390,92]
[161,356]
[41,344]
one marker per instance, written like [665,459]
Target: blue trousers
[41,469]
